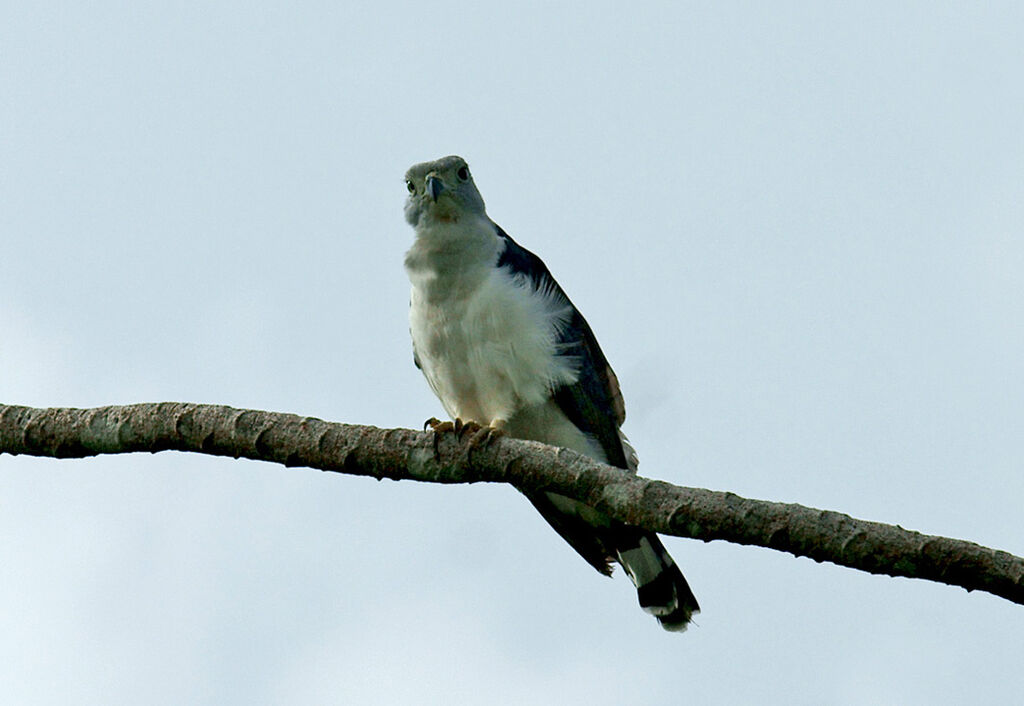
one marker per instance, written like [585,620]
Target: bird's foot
[479,436]
[439,428]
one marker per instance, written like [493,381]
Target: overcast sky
[796,231]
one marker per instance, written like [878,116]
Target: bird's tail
[660,586]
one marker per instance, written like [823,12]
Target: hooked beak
[434,187]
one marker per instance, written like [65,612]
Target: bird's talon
[471,428]
[439,428]
[489,434]
[482,438]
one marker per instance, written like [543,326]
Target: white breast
[490,349]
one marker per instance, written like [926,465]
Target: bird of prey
[502,346]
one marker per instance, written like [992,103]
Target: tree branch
[400,454]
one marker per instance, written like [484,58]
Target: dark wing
[593,403]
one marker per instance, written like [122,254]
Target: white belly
[493,350]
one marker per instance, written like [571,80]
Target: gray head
[441,191]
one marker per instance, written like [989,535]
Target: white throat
[451,259]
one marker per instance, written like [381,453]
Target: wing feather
[593,402]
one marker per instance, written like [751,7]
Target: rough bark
[403,454]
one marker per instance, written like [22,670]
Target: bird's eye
[410,186]
[463,173]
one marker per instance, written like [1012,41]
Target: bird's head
[441,191]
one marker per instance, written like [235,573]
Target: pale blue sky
[796,231]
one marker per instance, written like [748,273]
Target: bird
[507,353]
